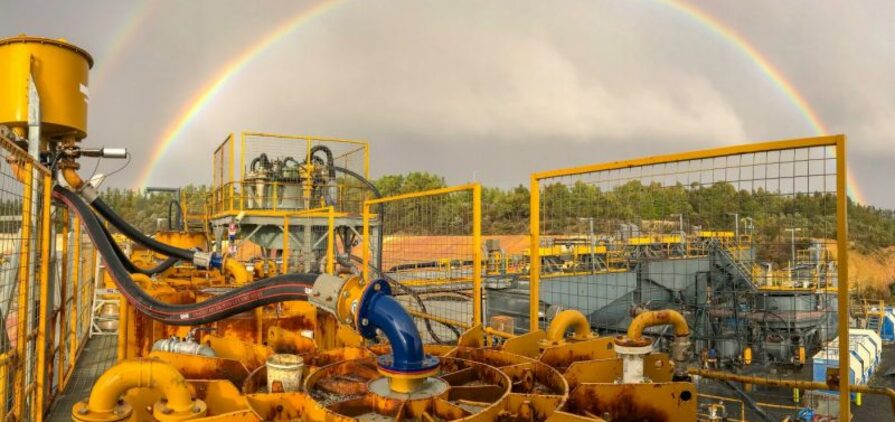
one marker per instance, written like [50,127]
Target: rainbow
[767,68]
[110,57]
[202,99]
[701,17]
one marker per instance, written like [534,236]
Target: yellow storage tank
[60,71]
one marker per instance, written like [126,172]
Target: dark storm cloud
[491,89]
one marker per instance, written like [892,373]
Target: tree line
[569,209]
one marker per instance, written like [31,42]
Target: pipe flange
[81,413]
[163,413]
[625,342]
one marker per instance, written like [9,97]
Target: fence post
[22,314]
[44,301]
[534,266]
[477,254]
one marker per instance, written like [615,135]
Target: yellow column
[330,240]
[60,314]
[477,254]
[842,252]
[365,245]
[285,264]
[534,277]
[22,311]
[43,304]
[76,283]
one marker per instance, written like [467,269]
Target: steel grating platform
[98,355]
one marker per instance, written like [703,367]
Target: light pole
[590,240]
[792,245]
[680,217]
[736,221]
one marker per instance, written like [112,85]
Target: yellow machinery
[202,337]
[59,71]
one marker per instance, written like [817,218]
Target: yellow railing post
[534,266]
[285,264]
[63,292]
[330,240]
[477,254]
[365,245]
[44,300]
[76,283]
[842,296]
[22,313]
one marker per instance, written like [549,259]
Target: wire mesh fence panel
[223,177]
[16,229]
[427,245]
[743,241]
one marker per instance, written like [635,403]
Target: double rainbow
[203,97]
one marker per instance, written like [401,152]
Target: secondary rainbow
[701,17]
[110,57]
[767,68]
[231,69]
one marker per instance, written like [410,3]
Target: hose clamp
[202,259]
[89,192]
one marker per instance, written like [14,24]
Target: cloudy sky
[484,90]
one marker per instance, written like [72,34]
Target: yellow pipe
[476,253]
[790,383]
[653,318]
[141,373]
[570,318]
[71,176]
[122,328]
[239,272]
[23,312]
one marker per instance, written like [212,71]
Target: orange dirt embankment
[871,273]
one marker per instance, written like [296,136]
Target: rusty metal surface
[658,402]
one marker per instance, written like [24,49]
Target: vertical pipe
[122,328]
[534,267]
[242,171]
[63,292]
[367,161]
[232,159]
[477,254]
[330,240]
[842,288]
[22,312]
[285,263]
[44,301]
[77,303]
[4,390]
[365,245]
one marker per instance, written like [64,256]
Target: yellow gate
[749,242]
[428,246]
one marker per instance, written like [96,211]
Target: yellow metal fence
[428,246]
[45,286]
[735,238]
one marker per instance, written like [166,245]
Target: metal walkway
[98,355]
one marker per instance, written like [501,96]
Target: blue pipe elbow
[379,310]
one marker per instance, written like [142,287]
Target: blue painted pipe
[379,310]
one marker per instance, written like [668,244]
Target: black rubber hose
[137,236]
[171,207]
[377,194]
[263,292]
[262,158]
[330,161]
[129,265]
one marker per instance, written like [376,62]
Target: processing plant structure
[295,291]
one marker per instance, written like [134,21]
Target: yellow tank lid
[60,42]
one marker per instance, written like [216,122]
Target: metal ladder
[102,297]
